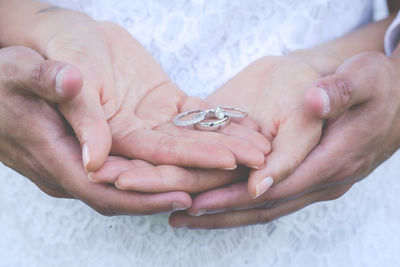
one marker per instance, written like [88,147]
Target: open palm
[127,104]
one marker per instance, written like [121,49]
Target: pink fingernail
[231,168]
[198,213]
[60,79]
[325,99]
[178,206]
[263,186]
[85,155]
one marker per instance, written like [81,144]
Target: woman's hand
[129,99]
[362,131]
[272,90]
[275,103]
[36,141]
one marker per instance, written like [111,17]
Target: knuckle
[79,128]
[39,75]
[343,91]
[11,58]
[289,164]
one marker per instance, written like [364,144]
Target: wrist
[33,24]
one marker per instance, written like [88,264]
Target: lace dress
[201,44]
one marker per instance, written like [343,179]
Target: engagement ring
[209,119]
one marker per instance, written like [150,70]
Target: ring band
[225,110]
[212,125]
[200,116]
[216,117]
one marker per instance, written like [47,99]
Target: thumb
[352,84]
[86,117]
[51,80]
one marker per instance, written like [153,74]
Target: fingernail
[85,155]
[325,100]
[263,186]
[91,178]
[117,186]
[178,206]
[59,80]
[256,167]
[198,213]
[230,169]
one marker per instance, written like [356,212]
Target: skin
[114,98]
[126,106]
[283,115]
[36,145]
[287,203]
[355,104]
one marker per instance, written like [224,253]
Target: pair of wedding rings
[209,119]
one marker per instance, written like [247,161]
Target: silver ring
[200,116]
[212,125]
[218,116]
[241,114]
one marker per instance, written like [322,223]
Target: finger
[107,199]
[242,128]
[244,152]
[113,167]
[159,148]
[296,137]
[254,216]
[316,171]
[222,199]
[167,178]
[26,70]
[86,116]
[241,218]
[194,103]
[353,83]
[247,134]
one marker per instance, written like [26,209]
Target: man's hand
[362,131]
[36,141]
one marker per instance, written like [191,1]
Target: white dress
[201,44]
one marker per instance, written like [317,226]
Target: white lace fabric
[202,44]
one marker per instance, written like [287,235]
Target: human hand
[276,105]
[272,89]
[363,92]
[36,142]
[127,101]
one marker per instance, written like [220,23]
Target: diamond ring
[197,116]
[210,119]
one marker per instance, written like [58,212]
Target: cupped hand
[274,102]
[36,141]
[272,91]
[127,102]
[362,104]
